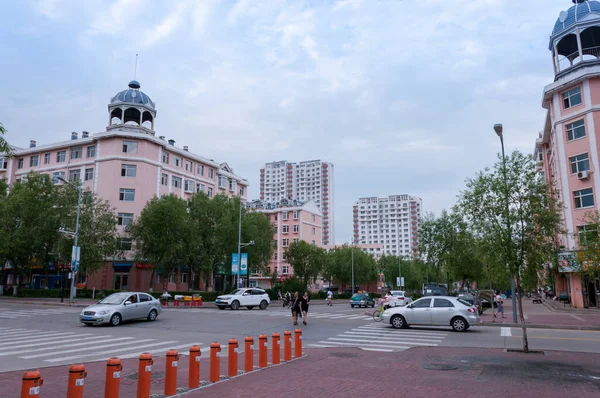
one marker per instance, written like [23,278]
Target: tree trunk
[521,315]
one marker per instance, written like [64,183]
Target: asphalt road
[41,336]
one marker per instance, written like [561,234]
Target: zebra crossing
[283,313]
[7,313]
[58,348]
[381,337]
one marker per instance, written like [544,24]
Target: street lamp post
[74,258]
[352,256]
[240,246]
[399,273]
[498,129]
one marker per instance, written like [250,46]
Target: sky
[400,95]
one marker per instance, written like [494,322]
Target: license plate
[217,301]
[87,318]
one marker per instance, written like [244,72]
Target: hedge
[98,294]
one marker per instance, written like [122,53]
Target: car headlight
[103,312]
[225,298]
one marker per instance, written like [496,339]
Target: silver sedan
[434,311]
[120,307]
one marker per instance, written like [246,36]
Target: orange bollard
[194,371]
[215,362]
[232,365]
[287,345]
[262,351]
[171,373]
[275,349]
[113,378]
[249,354]
[77,375]
[144,375]
[298,343]
[30,387]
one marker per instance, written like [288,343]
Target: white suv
[399,298]
[248,297]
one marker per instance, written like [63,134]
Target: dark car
[361,300]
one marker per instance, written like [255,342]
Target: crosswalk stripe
[90,348]
[381,335]
[387,346]
[31,336]
[376,349]
[52,341]
[15,333]
[101,354]
[385,341]
[160,351]
[67,344]
[395,330]
[357,317]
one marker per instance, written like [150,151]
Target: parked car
[399,298]
[361,300]
[434,311]
[247,297]
[119,307]
[470,298]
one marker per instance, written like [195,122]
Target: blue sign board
[234,264]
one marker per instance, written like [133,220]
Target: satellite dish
[562,17]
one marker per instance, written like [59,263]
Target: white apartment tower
[391,221]
[304,181]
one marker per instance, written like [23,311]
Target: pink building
[567,149]
[293,221]
[128,166]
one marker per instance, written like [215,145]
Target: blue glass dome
[133,95]
[576,13]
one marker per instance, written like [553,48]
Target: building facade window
[125,244]
[232,185]
[285,269]
[20,163]
[200,170]
[222,182]
[285,215]
[209,192]
[61,156]
[34,161]
[199,187]
[575,130]
[579,163]
[74,175]
[583,198]
[3,163]
[164,179]
[126,194]
[177,161]
[188,166]
[211,173]
[46,158]
[285,242]
[89,174]
[296,240]
[241,191]
[165,157]
[295,214]
[296,228]
[314,230]
[285,229]
[189,186]
[130,147]
[585,233]
[128,170]
[572,97]
[91,151]
[55,176]
[314,218]
[76,153]
[125,218]
[176,182]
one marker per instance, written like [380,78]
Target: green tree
[4,147]
[393,266]
[338,267]
[436,237]
[589,245]
[256,227]
[162,234]
[307,260]
[533,218]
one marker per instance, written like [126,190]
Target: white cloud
[167,26]
[49,8]
[117,17]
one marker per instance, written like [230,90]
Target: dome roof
[576,13]
[133,95]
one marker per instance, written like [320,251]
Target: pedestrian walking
[500,303]
[329,297]
[295,306]
[304,306]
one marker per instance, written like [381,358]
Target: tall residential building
[127,165]
[304,181]
[390,221]
[293,221]
[566,151]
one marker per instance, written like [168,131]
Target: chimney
[185,148]
[73,135]
[171,142]
[32,144]
[162,137]
[85,134]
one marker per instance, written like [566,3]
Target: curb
[541,326]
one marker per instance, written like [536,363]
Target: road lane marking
[102,353]
[558,338]
[393,341]
[578,318]
[505,332]
[67,344]
[60,340]
[91,348]
[45,336]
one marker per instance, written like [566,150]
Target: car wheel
[250,307]
[352,305]
[459,324]
[152,316]
[235,305]
[263,305]
[373,305]
[115,320]
[398,322]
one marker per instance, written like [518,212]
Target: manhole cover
[153,376]
[438,366]
[343,354]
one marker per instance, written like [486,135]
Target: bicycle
[379,311]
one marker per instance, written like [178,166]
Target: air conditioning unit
[126,229]
[583,175]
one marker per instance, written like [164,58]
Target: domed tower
[132,108]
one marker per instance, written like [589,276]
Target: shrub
[415,296]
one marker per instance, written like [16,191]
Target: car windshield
[237,291]
[116,298]
[465,302]
[357,295]
[397,293]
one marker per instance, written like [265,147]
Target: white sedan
[248,297]
[399,298]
